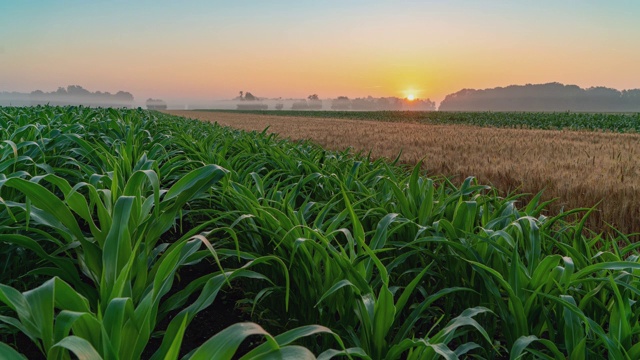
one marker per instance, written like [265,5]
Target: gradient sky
[201,50]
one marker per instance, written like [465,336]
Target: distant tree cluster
[312,102]
[389,103]
[77,95]
[543,97]
[246,96]
[254,102]
[71,95]
[156,104]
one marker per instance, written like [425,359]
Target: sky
[207,50]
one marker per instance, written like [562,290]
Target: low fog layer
[539,97]
[247,101]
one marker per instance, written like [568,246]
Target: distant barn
[156,104]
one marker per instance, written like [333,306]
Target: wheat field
[578,168]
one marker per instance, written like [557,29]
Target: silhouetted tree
[341,103]
[254,105]
[124,96]
[314,102]
[300,105]
[76,90]
[418,105]
[249,96]
[363,104]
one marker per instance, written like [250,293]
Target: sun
[411,97]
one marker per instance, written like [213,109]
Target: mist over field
[529,97]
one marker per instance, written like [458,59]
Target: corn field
[103,212]
[612,122]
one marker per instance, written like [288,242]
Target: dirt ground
[580,169]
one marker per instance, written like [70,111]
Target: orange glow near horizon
[212,52]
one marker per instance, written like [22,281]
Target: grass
[412,267]
[579,168]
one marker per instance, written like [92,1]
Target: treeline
[248,101]
[71,95]
[543,97]
[389,103]
[369,103]
[312,102]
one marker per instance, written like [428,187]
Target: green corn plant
[223,345]
[130,226]
[49,314]
[111,200]
[377,313]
